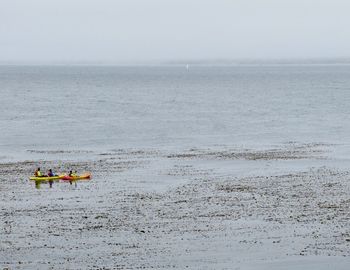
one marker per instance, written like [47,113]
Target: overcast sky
[161,30]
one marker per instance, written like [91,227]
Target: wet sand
[285,207]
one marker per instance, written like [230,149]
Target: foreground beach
[283,207]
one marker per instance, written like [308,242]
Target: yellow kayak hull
[45,178]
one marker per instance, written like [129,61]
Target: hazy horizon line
[196,62]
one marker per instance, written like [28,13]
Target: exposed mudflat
[286,207]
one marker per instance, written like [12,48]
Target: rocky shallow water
[222,208]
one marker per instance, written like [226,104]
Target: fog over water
[134,31]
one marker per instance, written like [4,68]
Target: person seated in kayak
[37,173]
[50,173]
[72,173]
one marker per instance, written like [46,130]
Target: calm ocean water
[101,108]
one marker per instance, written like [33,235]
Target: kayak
[78,177]
[46,178]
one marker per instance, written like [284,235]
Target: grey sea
[92,107]
[206,167]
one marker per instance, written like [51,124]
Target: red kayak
[76,177]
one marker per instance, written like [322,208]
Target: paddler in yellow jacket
[37,173]
[72,173]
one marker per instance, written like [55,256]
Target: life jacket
[38,173]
